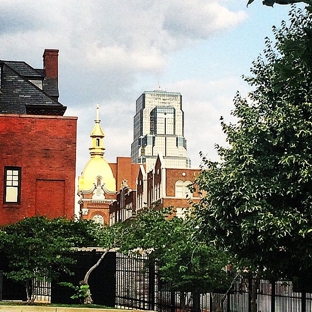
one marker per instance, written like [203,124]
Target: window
[12,185]
[98,219]
[182,189]
[179,186]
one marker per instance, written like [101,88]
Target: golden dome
[97,168]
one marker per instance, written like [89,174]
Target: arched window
[182,190]
[98,219]
[179,189]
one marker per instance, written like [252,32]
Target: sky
[111,51]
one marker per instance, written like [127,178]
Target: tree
[259,195]
[38,248]
[185,263]
[110,239]
[272,2]
[105,238]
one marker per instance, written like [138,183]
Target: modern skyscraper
[159,129]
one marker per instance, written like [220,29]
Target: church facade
[100,182]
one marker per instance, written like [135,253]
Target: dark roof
[25,70]
[20,92]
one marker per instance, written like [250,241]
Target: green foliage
[259,196]
[110,239]
[272,2]
[35,247]
[39,248]
[185,263]
[80,292]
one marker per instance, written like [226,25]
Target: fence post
[228,308]
[303,301]
[1,284]
[172,301]
[249,294]
[273,296]
[196,302]
[151,285]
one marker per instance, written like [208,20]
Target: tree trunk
[196,302]
[229,289]
[29,291]
[88,298]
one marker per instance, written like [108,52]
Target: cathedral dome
[96,169]
[97,173]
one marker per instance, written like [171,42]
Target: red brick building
[159,188]
[166,187]
[113,192]
[124,205]
[37,143]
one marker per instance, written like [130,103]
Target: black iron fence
[136,282]
[131,282]
[101,281]
[137,287]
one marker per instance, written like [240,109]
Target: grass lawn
[91,306]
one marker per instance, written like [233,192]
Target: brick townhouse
[37,143]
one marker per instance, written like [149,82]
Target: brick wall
[50,63]
[174,175]
[45,149]
[124,169]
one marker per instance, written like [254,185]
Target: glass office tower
[159,129]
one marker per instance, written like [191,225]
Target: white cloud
[135,35]
[199,19]
[106,47]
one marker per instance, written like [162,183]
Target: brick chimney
[50,63]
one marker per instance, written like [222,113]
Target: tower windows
[162,120]
[12,185]
[159,115]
